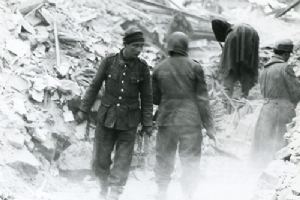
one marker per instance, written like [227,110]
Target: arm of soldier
[156,90]
[293,83]
[92,91]
[146,98]
[203,103]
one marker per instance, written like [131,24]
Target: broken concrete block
[283,195]
[18,47]
[63,69]
[290,125]
[69,87]
[32,19]
[46,148]
[29,145]
[292,197]
[45,16]
[19,106]
[55,96]
[24,161]
[40,135]
[295,159]
[37,95]
[77,157]
[42,34]
[25,25]
[271,175]
[16,139]
[284,154]
[14,81]
[81,130]
[68,37]
[68,116]
[296,186]
[29,5]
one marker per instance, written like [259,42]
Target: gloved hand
[146,130]
[80,117]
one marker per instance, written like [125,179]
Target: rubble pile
[49,52]
[280,180]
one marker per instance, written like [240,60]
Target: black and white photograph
[149,99]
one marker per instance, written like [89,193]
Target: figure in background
[180,90]
[281,91]
[127,101]
[239,59]
[179,24]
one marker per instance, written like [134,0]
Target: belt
[267,100]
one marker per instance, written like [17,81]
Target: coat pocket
[135,78]
[102,112]
[134,115]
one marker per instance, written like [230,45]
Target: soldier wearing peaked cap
[126,102]
[281,91]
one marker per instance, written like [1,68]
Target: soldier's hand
[211,133]
[80,117]
[146,130]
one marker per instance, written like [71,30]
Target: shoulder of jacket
[108,58]
[289,69]
[111,55]
[143,62]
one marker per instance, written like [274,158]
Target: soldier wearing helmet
[180,91]
[126,102]
[280,89]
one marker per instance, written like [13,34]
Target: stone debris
[77,157]
[285,184]
[37,127]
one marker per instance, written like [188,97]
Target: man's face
[133,49]
[286,56]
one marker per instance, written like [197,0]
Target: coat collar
[123,60]
[275,59]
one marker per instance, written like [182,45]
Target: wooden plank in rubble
[173,10]
[290,7]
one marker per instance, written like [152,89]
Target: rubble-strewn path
[222,178]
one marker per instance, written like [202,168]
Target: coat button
[122,90]
[124,74]
[122,82]
[120,97]
[118,104]
[125,66]
[109,76]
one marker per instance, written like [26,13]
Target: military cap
[284,45]
[133,34]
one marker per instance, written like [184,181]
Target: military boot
[115,193]
[104,189]
[161,192]
[161,195]
[103,192]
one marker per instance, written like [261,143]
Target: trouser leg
[228,84]
[105,139]
[248,78]
[190,141]
[122,161]
[166,145]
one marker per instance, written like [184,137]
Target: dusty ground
[221,178]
